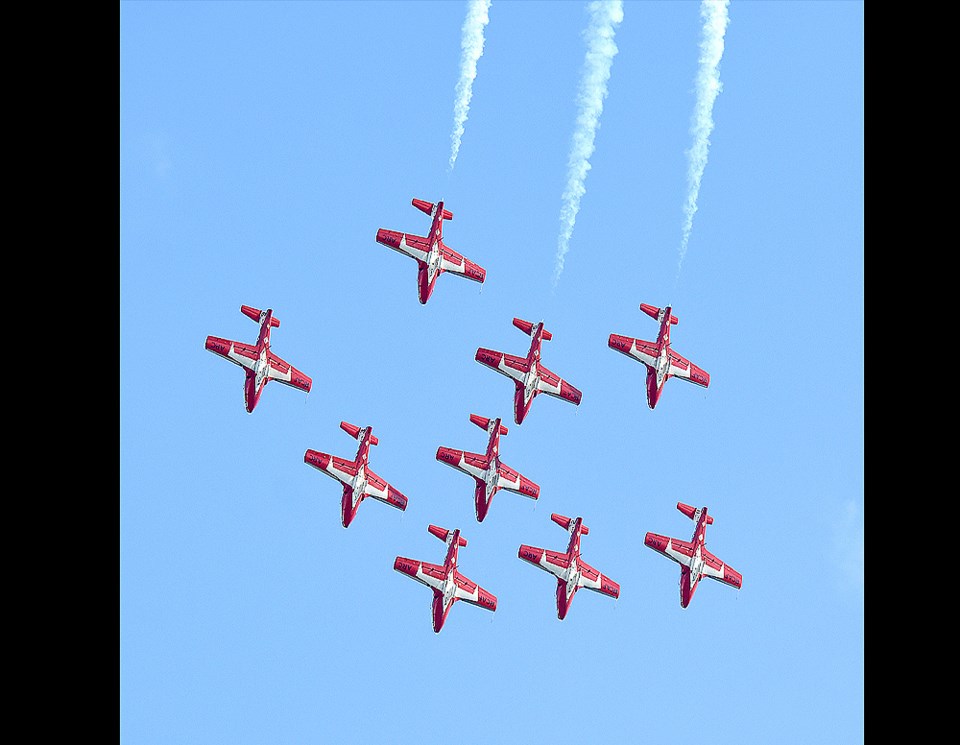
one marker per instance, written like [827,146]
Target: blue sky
[262,145]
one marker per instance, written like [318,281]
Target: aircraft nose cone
[482,508]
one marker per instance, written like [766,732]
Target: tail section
[429,208]
[654,313]
[566,522]
[254,314]
[354,431]
[483,423]
[693,512]
[527,328]
[443,534]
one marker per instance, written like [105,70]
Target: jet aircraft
[661,361]
[694,559]
[259,362]
[447,583]
[487,470]
[432,255]
[571,571]
[529,376]
[359,482]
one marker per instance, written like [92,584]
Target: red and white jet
[571,571]
[529,376]
[694,559]
[359,482]
[661,361]
[260,364]
[432,255]
[487,470]
[447,583]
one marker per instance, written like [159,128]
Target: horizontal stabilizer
[691,512]
[254,313]
[428,208]
[527,328]
[564,522]
[354,431]
[654,313]
[483,423]
[443,534]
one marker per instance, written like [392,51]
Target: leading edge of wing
[472,464]
[236,352]
[283,372]
[673,548]
[640,350]
[424,572]
[380,490]
[549,561]
[451,261]
[681,367]
[594,580]
[718,570]
[414,246]
[506,364]
[553,385]
[470,592]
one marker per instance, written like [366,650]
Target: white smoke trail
[715,20]
[471,49]
[601,49]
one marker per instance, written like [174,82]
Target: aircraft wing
[414,246]
[237,352]
[681,367]
[594,580]
[673,548]
[472,464]
[379,489]
[284,372]
[470,592]
[550,561]
[509,479]
[429,574]
[716,569]
[505,364]
[451,261]
[641,350]
[554,385]
[340,469]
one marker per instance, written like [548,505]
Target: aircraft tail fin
[527,328]
[654,312]
[254,314]
[565,522]
[443,534]
[354,431]
[428,208]
[691,512]
[483,423]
